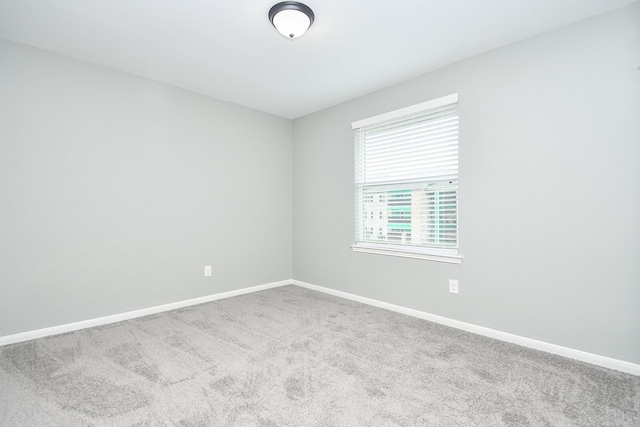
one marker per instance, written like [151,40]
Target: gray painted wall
[549,191]
[116,191]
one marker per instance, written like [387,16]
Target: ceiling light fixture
[291,19]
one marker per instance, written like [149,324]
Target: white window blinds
[406,181]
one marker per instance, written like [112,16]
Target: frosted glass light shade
[291,19]
[291,23]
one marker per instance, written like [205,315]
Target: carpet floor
[289,356]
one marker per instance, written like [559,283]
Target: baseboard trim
[75,326]
[594,359]
[606,362]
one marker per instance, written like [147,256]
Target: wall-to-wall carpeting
[292,356]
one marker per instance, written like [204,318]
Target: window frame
[447,255]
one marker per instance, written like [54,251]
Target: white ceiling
[229,50]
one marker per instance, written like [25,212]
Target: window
[406,168]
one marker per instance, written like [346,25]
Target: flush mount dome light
[291,19]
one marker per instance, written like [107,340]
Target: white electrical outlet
[453,286]
[207,270]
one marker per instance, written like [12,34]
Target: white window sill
[416,253]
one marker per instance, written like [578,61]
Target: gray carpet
[294,357]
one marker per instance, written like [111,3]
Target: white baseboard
[75,326]
[582,356]
[594,359]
